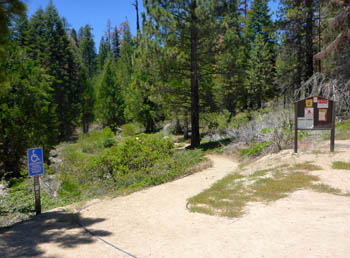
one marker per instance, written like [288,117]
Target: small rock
[3,190]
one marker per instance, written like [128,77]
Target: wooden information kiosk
[314,113]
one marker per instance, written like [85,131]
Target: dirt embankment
[156,223]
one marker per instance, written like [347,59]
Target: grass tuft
[341,165]
[259,173]
[271,189]
[308,166]
[343,130]
[323,188]
[230,195]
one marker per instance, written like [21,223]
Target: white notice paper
[309,113]
[305,123]
[322,115]
[322,103]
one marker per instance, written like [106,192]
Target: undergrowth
[342,130]
[254,149]
[102,164]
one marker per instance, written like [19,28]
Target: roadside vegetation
[97,165]
[342,131]
[104,163]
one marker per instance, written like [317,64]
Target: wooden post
[295,129]
[37,195]
[333,127]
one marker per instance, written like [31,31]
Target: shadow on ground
[214,144]
[58,227]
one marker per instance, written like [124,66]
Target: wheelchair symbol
[34,158]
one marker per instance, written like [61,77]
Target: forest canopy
[189,59]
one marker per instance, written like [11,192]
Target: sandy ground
[156,223]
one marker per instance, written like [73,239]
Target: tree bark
[309,40]
[136,4]
[186,126]
[195,137]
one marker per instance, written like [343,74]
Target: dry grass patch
[230,195]
[225,197]
[308,166]
[323,188]
[341,165]
[258,173]
[271,189]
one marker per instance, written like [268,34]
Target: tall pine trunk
[309,37]
[136,4]
[195,137]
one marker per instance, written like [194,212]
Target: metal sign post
[295,130]
[314,113]
[333,129]
[36,168]
[37,195]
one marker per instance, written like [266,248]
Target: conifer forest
[189,62]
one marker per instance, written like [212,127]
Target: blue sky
[78,13]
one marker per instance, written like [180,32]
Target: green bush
[254,149]
[216,122]
[130,129]
[19,203]
[344,125]
[96,140]
[178,164]
[240,119]
[137,161]
[136,154]
[342,130]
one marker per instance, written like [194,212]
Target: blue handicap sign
[35,162]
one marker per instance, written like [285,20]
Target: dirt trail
[156,223]
[130,225]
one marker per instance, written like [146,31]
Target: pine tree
[37,36]
[182,29]
[27,110]
[102,53]
[20,30]
[261,73]
[335,54]
[115,44]
[8,11]
[87,70]
[80,35]
[258,33]
[296,23]
[51,48]
[110,98]
[141,102]
[74,37]
[88,99]
[124,62]
[87,50]
[229,79]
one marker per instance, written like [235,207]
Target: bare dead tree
[136,5]
[328,88]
